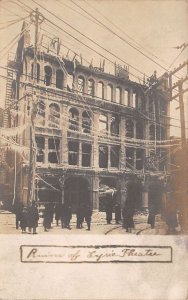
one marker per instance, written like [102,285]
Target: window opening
[101,90]
[129,129]
[114,125]
[130,158]
[118,95]
[126,97]
[86,122]
[139,131]
[73,153]
[91,87]
[103,156]
[86,155]
[54,115]
[81,85]
[74,119]
[47,75]
[109,92]
[59,79]
[139,159]
[53,150]
[114,156]
[103,124]
[40,148]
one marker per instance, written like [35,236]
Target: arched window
[103,123]
[114,125]
[59,79]
[54,115]
[152,132]
[134,100]
[101,90]
[91,87]
[86,122]
[47,75]
[139,130]
[109,92]
[129,129]
[37,72]
[41,113]
[118,95]
[126,97]
[73,119]
[81,85]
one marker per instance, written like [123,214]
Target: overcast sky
[153,27]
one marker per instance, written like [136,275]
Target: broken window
[59,79]
[47,75]
[81,85]
[103,124]
[118,95]
[103,156]
[130,158]
[53,150]
[41,113]
[109,92]
[139,159]
[152,132]
[37,72]
[91,87]
[73,152]
[86,155]
[114,156]
[54,115]
[101,90]
[126,97]
[114,125]
[139,130]
[129,129]
[86,122]
[73,119]
[40,148]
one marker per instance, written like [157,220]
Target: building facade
[93,130]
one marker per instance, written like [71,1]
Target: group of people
[26,217]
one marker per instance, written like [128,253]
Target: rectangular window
[86,155]
[103,156]
[40,148]
[130,158]
[103,124]
[73,153]
[114,156]
[134,100]
[53,150]
[139,159]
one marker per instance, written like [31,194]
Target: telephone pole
[182,178]
[36,18]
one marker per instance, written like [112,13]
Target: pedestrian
[109,207]
[67,214]
[57,213]
[87,215]
[154,200]
[47,217]
[171,217]
[51,210]
[33,217]
[80,216]
[18,207]
[117,212]
[24,219]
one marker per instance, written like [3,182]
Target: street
[98,225]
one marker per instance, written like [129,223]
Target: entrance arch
[76,191]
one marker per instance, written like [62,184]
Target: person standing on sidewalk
[80,216]
[18,207]
[24,219]
[33,218]
[109,207]
[47,217]
[154,200]
[58,213]
[87,215]
[68,215]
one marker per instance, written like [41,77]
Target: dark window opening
[37,72]
[53,150]
[139,159]
[114,156]
[91,87]
[130,158]
[47,75]
[139,131]
[73,153]
[152,132]
[86,155]
[54,115]
[114,126]
[74,119]
[40,148]
[103,124]
[101,90]
[129,129]
[103,156]
[86,122]
[59,79]
[81,85]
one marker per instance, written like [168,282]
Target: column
[109,160]
[64,124]
[131,97]
[46,150]
[95,192]
[95,129]
[80,154]
[122,143]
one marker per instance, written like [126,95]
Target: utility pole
[36,18]
[182,178]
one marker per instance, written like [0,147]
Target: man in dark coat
[33,217]
[109,207]
[154,200]
[87,215]
[80,216]
[18,207]
[47,217]
[58,212]
[67,214]
[117,212]
[24,219]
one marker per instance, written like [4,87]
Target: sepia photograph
[94,136]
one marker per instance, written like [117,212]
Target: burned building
[92,129]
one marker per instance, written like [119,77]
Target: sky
[154,28]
